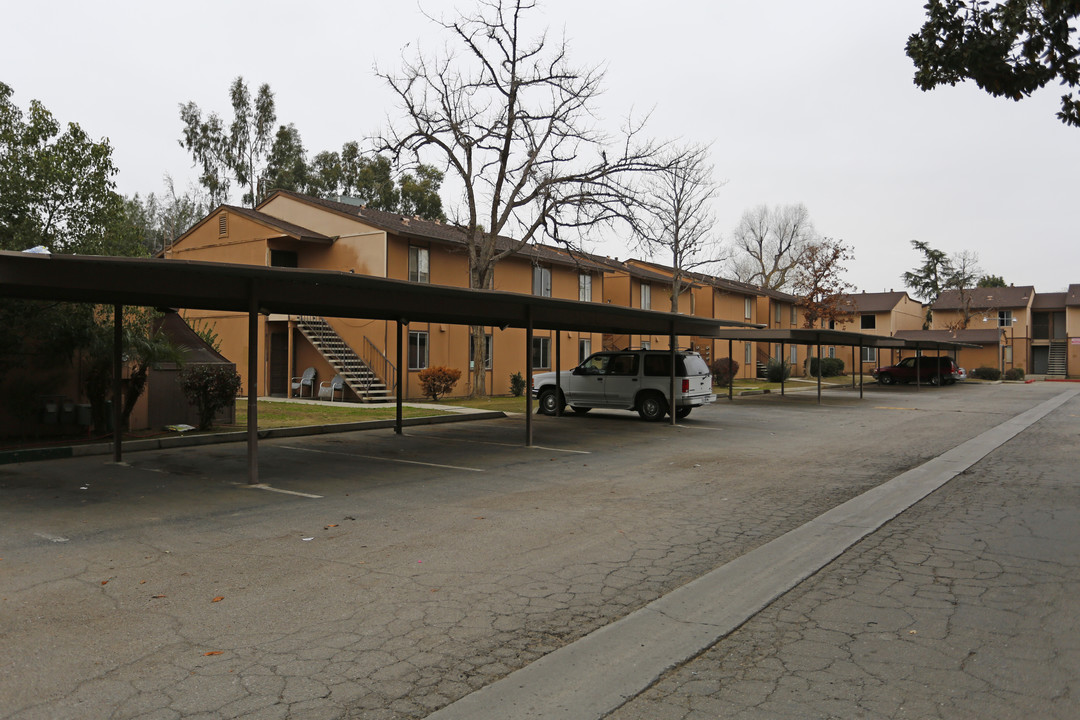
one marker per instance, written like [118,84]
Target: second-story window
[418,264]
[584,285]
[541,281]
[748,308]
[1005,318]
[868,322]
[794,317]
[646,296]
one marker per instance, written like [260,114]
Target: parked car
[629,380]
[932,370]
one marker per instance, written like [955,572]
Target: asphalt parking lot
[385,576]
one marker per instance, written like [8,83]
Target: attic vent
[223,225]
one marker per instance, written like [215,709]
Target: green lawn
[282,414]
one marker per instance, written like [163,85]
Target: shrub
[724,371]
[1014,374]
[830,367]
[986,373]
[209,388]
[517,385]
[777,370]
[438,380]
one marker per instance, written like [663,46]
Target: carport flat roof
[810,336]
[231,287]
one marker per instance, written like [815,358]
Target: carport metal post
[253,385]
[918,367]
[854,363]
[782,373]
[671,395]
[860,371]
[819,370]
[731,373]
[528,376]
[558,379]
[401,325]
[118,347]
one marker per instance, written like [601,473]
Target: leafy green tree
[419,193]
[991,281]
[928,280]
[1010,49]
[56,186]
[239,153]
[286,167]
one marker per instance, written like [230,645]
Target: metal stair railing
[357,374]
[380,365]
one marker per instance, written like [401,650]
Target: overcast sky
[804,102]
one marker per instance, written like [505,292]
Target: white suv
[629,380]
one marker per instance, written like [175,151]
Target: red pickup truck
[931,371]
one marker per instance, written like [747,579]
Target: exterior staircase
[1057,362]
[355,370]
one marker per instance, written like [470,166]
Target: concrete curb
[593,676]
[177,441]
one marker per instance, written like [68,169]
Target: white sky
[809,102]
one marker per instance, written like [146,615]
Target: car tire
[652,407]
[683,412]
[935,380]
[549,401]
[580,410]
[885,379]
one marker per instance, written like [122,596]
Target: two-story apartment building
[887,314]
[293,230]
[1007,310]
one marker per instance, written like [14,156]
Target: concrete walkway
[600,672]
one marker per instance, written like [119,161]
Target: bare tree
[513,121]
[769,244]
[675,217]
[964,273]
[819,282]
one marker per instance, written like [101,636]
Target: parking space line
[385,459]
[263,486]
[489,442]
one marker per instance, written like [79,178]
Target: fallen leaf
[104,582]
[219,598]
[142,582]
[330,526]
[214,652]
[156,597]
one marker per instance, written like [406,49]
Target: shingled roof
[430,230]
[1072,296]
[865,302]
[987,298]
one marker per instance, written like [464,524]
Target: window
[778,352]
[541,352]
[646,345]
[748,357]
[794,355]
[487,352]
[646,296]
[1005,318]
[541,282]
[584,287]
[418,350]
[868,322]
[832,351]
[776,313]
[284,258]
[418,264]
[625,364]
[794,317]
[584,349]
[748,308]
[869,355]
[1009,354]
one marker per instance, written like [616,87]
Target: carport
[813,337]
[262,290]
